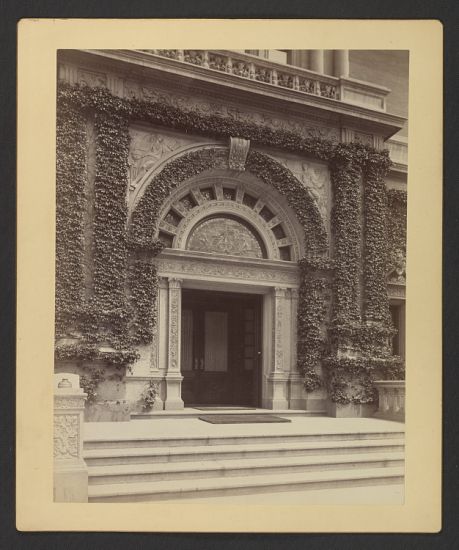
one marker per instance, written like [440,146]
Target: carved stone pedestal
[70,470]
[173,399]
[391,400]
[277,397]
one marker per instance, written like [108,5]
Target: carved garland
[349,162]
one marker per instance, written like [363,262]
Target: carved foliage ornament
[66,436]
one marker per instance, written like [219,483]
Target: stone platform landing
[185,458]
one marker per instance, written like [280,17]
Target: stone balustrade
[258,69]
[391,399]
[70,470]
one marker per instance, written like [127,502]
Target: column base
[277,398]
[173,399]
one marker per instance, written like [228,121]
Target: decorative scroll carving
[175,307]
[66,441]
[239,149]
[147,149]
[92,79]
[315,177]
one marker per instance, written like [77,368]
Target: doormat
[224,408]
[242,418]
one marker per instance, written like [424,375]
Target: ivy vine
[119,309]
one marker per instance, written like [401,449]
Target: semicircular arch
[165,190]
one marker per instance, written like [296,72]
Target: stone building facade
[231,226]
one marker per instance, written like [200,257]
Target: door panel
[215,341]
[220,349]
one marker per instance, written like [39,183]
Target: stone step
[195,413]
[192,488]
[138,455]
[196,440]
[136,473]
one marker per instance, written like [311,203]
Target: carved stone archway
[171,207]
[146,209]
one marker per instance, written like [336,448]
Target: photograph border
[32,514]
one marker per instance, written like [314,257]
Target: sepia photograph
[230,275]
[229,302]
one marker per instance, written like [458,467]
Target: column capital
[279,292]
[175,283]
[294,293]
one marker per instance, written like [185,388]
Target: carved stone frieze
[65,402]
[66,442]
[209,106]
[92,78]
[219,269]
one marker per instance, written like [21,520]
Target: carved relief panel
[316,177]
[148,147]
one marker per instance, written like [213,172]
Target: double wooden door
[220,349]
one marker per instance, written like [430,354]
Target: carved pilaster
[154,365]
[173,376]
[175,312]
[70,471]
[293,328]
[278,310]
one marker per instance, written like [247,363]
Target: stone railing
[70,471]
[391,399]
[251,67]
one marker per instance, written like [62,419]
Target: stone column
[341,63]
[296,389]
[316,60]
[173,375]
[278,378]
[70,470]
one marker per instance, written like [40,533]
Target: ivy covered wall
[119,311]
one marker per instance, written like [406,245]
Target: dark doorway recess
[221,348]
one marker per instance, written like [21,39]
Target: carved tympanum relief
[225,236]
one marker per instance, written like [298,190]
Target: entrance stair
[201,460]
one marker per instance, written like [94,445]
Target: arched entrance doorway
[228,294]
